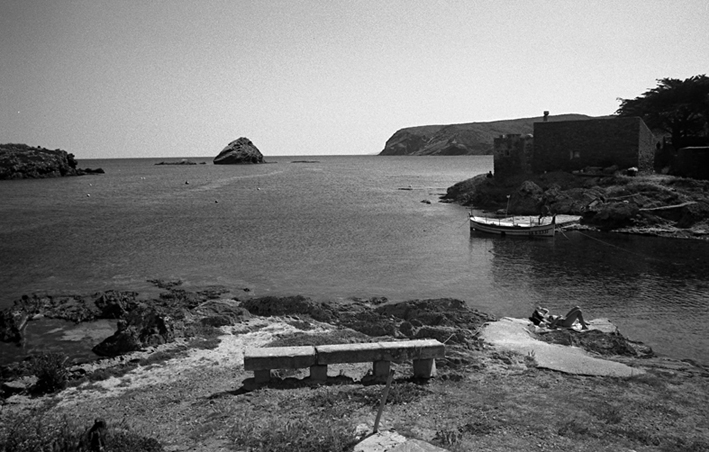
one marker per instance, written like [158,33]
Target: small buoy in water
[258,188]
[216,202]
[187,182]
[88,195]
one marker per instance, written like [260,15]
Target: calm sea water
[335,228]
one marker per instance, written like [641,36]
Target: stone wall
[513,154]
[574,145]
[647,147]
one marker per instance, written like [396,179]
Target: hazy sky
[125,78]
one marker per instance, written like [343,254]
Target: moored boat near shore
[517,226]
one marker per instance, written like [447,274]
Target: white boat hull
[507,226]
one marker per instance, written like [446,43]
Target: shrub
[50,370]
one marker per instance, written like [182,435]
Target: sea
[329,228]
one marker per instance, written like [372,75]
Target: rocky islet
[20,161]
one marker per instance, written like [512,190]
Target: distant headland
[473,138]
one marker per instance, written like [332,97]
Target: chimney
[546,116]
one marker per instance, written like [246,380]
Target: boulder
[240,151]
[222,312]
[611,216]
[143,327]
[12,324]
[574,201]
[527,199]
[295,305]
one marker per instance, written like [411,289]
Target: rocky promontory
[474,138]
[239,152]
[20,161]
[606,199]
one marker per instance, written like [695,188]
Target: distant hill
[474,138]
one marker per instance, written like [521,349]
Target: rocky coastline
[606,199]
[172,371]
[20,161]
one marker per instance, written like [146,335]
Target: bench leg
[381,370]
[262,376]
[424,368]
[318,373]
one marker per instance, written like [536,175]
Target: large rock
[574,201]
[240,151]
[612,215]
[19,161]
[527,199]
[143,327]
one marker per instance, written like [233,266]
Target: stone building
[513,154]
[575,145]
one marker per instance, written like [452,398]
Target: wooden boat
[517,226]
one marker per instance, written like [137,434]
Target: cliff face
[473,138]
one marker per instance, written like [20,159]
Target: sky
[129,78]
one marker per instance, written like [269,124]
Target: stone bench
[422,352]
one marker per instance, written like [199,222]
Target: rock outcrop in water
[239,152]
[20,161]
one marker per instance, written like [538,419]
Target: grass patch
[306,434]
[37,431]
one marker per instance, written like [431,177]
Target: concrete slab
[394,442]
[380,351]
[416,445]
[380,442]
[279,358]
[415,349]
[513,334]
[348,353]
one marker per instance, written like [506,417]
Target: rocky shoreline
[176,315]
[173,371]
[606,200]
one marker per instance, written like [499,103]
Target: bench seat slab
[380,351]
[279,358]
